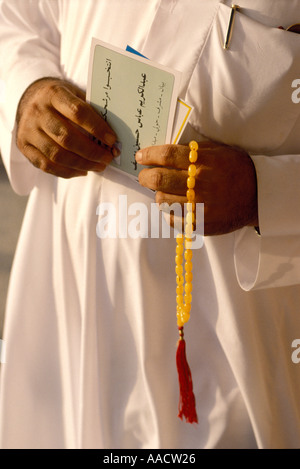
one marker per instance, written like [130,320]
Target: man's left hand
[225,182]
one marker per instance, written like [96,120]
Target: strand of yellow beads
[184,279]
[183,252]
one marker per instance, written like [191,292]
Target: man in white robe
[90,330]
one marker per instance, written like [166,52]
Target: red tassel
[187,402]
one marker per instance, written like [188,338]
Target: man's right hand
[54,129]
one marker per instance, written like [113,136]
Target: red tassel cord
[187,402]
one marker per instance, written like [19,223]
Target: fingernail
[109,139]
[116,152]
[138,156]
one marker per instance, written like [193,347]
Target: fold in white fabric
[90,327]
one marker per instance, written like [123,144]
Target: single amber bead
[179,259]
[179,249]
[187,308]
[190,194]
[188,266]
[193,145]
[191,182]
[180,280]
[192,170]
[190,218]
[180,290]
[187,298]
[180,323]
[188,288]
[193,156]
[179,269]
[185,317]
[188,230]
[179,299]
[188,277]
[188,243]
[188,255]
[190,207]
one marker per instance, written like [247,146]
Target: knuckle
[54,90]
[24,147]
[63,136]
[156,178]
[77,111]
[20,142]
[53,152]
[92,129]
[36,160]
[35,110]
[57,129]
[55,87]
[167,155]
[43,165]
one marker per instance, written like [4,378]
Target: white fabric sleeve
[243,96]
[273,258]
[30,49]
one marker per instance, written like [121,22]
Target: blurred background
[12,209]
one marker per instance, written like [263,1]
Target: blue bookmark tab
[133,51]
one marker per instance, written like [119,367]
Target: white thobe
[90,331]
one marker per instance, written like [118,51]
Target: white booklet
[139,100]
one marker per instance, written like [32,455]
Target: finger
[72,139]
[82,114]
[176,208]
[169,200]
[169,156]
[175,203]
[172,207]
[170,181]
[174,221]
[208,145]
[41,162]
[58,155]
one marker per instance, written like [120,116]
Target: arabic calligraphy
[139,115]
[159,108]
[107,88]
